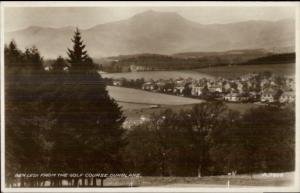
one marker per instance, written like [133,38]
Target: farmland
[156,75]
[238,70]
[221,71]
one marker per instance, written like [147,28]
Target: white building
[236,97]
[287,97]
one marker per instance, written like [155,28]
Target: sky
[16,18]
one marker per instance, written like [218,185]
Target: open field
[147,98]
[137,103]
[239,181]
[221,71]
[235,71]
[155,75]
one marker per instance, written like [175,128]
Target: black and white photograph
[149,96]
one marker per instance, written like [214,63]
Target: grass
[208,181]
[147,98]
[136,103]
[242,181]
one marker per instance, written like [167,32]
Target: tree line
[185,61]
[62,120]
[211,139]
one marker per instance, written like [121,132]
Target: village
[249,88]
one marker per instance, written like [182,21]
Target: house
[169,86]
[149,86]
[179,81]
[136,68]
[254,96]
[197,90]
[290,84]
[117,82]
[287,97]
[269,95]
[240,87]
[161,84]
[215,88]
[226,87]
[178,89]
[236,97]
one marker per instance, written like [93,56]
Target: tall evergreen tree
[78,58]
[87,134]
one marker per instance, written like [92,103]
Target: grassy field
[210,181]
[239,181]
[222,71]
[235,71]
[147,98]
[155,75]
[137,103]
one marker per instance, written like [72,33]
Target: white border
[295,187]
[2,95]
[146,3]
[297,78]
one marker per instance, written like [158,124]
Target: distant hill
[254,52]
[194,60]
[286,58]
[160,33]
[234,55]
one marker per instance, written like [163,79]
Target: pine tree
[78,58]
[88,120]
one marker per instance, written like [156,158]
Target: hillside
[249,53]
[274,59]
[159,33]
[194,60]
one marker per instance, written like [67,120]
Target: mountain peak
[157,14]
[160,33]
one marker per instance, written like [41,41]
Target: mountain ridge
[160,33]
